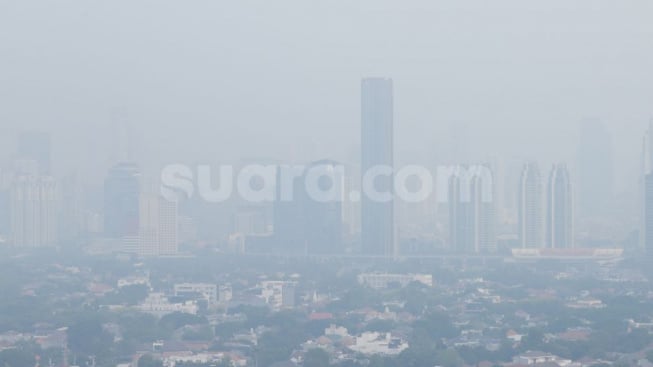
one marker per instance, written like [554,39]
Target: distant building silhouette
[377,218]
[158,223]
[288,215]
[646,192]
[34,211]
[471,210]
[121,201]
[324,218]
[70,210]
[559,221]
[305,225]
[531,213]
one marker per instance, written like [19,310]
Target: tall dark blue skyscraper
[121,201]
[377,111]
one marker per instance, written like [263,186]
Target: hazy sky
[219,80]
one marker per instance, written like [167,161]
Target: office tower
[251,220]
[121,201]
[377,222]
[305,224]
[647,150]
[71,222]
[5,203]
[35,146]
[33,211]
[559,227]
[646,192]
[595,169]
[647,226]
[471,210]
[157,227]
[288,212]
[323,218]
[351,208]
[531,225]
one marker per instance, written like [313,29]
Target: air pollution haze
[346,183]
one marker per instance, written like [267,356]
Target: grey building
[531,213]
[472,226]
[377,111]
[121,201]
[559,220]
[307,224]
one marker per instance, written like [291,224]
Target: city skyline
[292,183]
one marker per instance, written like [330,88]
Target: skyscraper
[531,225]
[34,211]
[288,213]
[121,201]
[646,192]
[559,220]
[377,111]
[471,210]
[323,219]
[70,210]
[647,222]
[594,162]
[304,224]
[157,227]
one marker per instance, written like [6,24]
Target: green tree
[649,355]
[316,357]
[175,320]
[128,295]
[88,338]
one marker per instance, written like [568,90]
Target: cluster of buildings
[385,280]
[37,210]
[479,212]
[231,311]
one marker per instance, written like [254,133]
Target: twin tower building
[545,210]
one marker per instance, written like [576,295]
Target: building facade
[560,222]
[531,214]
[34,211]
[377,116]
[121,201]
[471,210]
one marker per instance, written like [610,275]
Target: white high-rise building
[34,211]
[157,233]
[560,222]
[472,226]
[531,224]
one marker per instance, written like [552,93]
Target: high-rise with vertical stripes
[559,217]
[531,226]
